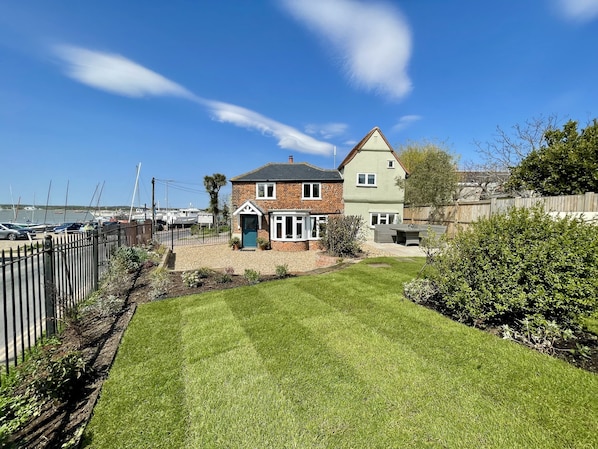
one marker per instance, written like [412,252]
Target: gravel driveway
[221,256]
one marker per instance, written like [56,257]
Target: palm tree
[213,184]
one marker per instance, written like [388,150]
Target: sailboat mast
[134,192]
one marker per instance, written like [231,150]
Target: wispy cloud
[579,10]
[406,121]
[326,130]
[288,137]
[116,74]
[372,38]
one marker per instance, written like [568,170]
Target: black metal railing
[178,236]
[42,282]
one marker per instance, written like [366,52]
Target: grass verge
[333,360]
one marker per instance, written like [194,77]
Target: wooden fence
[460,215]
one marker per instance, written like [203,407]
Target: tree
[433,177]
[213,184]
[566,163]
[507,149]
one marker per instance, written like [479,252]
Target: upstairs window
[391,163]
[312,191]
[265,191]
[366,179]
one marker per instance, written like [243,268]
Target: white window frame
[265,187]
[383,218]
[366,182]
[391,163]
[293,226]
[314,226]
[311,186]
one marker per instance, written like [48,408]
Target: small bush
[130,257]
[224,278]
[342,236]
[159,282]
[102,305]
[252,276]
[192,279]
[282,271]
[420,291]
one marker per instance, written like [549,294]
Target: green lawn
[338,360]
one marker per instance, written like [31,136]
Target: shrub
[227,276]
[520,265]
[101,304]
[252,276]
[192,279]
[159,282]
[342,236]
[420,291]
[282,271]
[130,258]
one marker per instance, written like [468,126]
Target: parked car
[12,231]
[67,228]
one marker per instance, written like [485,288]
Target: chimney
[291,159]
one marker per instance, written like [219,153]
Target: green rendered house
[370,172]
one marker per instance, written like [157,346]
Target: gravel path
[221,256]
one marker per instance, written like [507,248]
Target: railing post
[96,260]
[172,238]
[49,287]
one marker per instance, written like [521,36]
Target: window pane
[270,191]
[288,227]
[306,191]
[299,228]
[371,179]
[316,191]
[361,178]
[260,191]
[374,219]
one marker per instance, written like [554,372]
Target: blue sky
[88,90]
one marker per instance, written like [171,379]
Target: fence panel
[186,237]
[461,215]
[42,282]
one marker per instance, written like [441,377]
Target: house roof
[357,148]
[300,171]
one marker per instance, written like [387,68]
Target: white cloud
[288,137]
[373,39]
[326,130]
[118,75]
[405,122]
[582,10]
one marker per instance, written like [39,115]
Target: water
[41,216]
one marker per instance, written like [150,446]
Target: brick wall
[288,196]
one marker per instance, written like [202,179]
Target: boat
[187,217]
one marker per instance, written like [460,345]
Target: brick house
[285,203]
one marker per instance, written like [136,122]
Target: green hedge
[520,265]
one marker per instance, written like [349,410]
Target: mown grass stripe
[145,387]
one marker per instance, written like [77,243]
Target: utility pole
[153,205]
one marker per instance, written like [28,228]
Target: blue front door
[249,228]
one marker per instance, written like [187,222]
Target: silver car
[12,231]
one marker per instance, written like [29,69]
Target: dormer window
[265,191]
[366,179]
